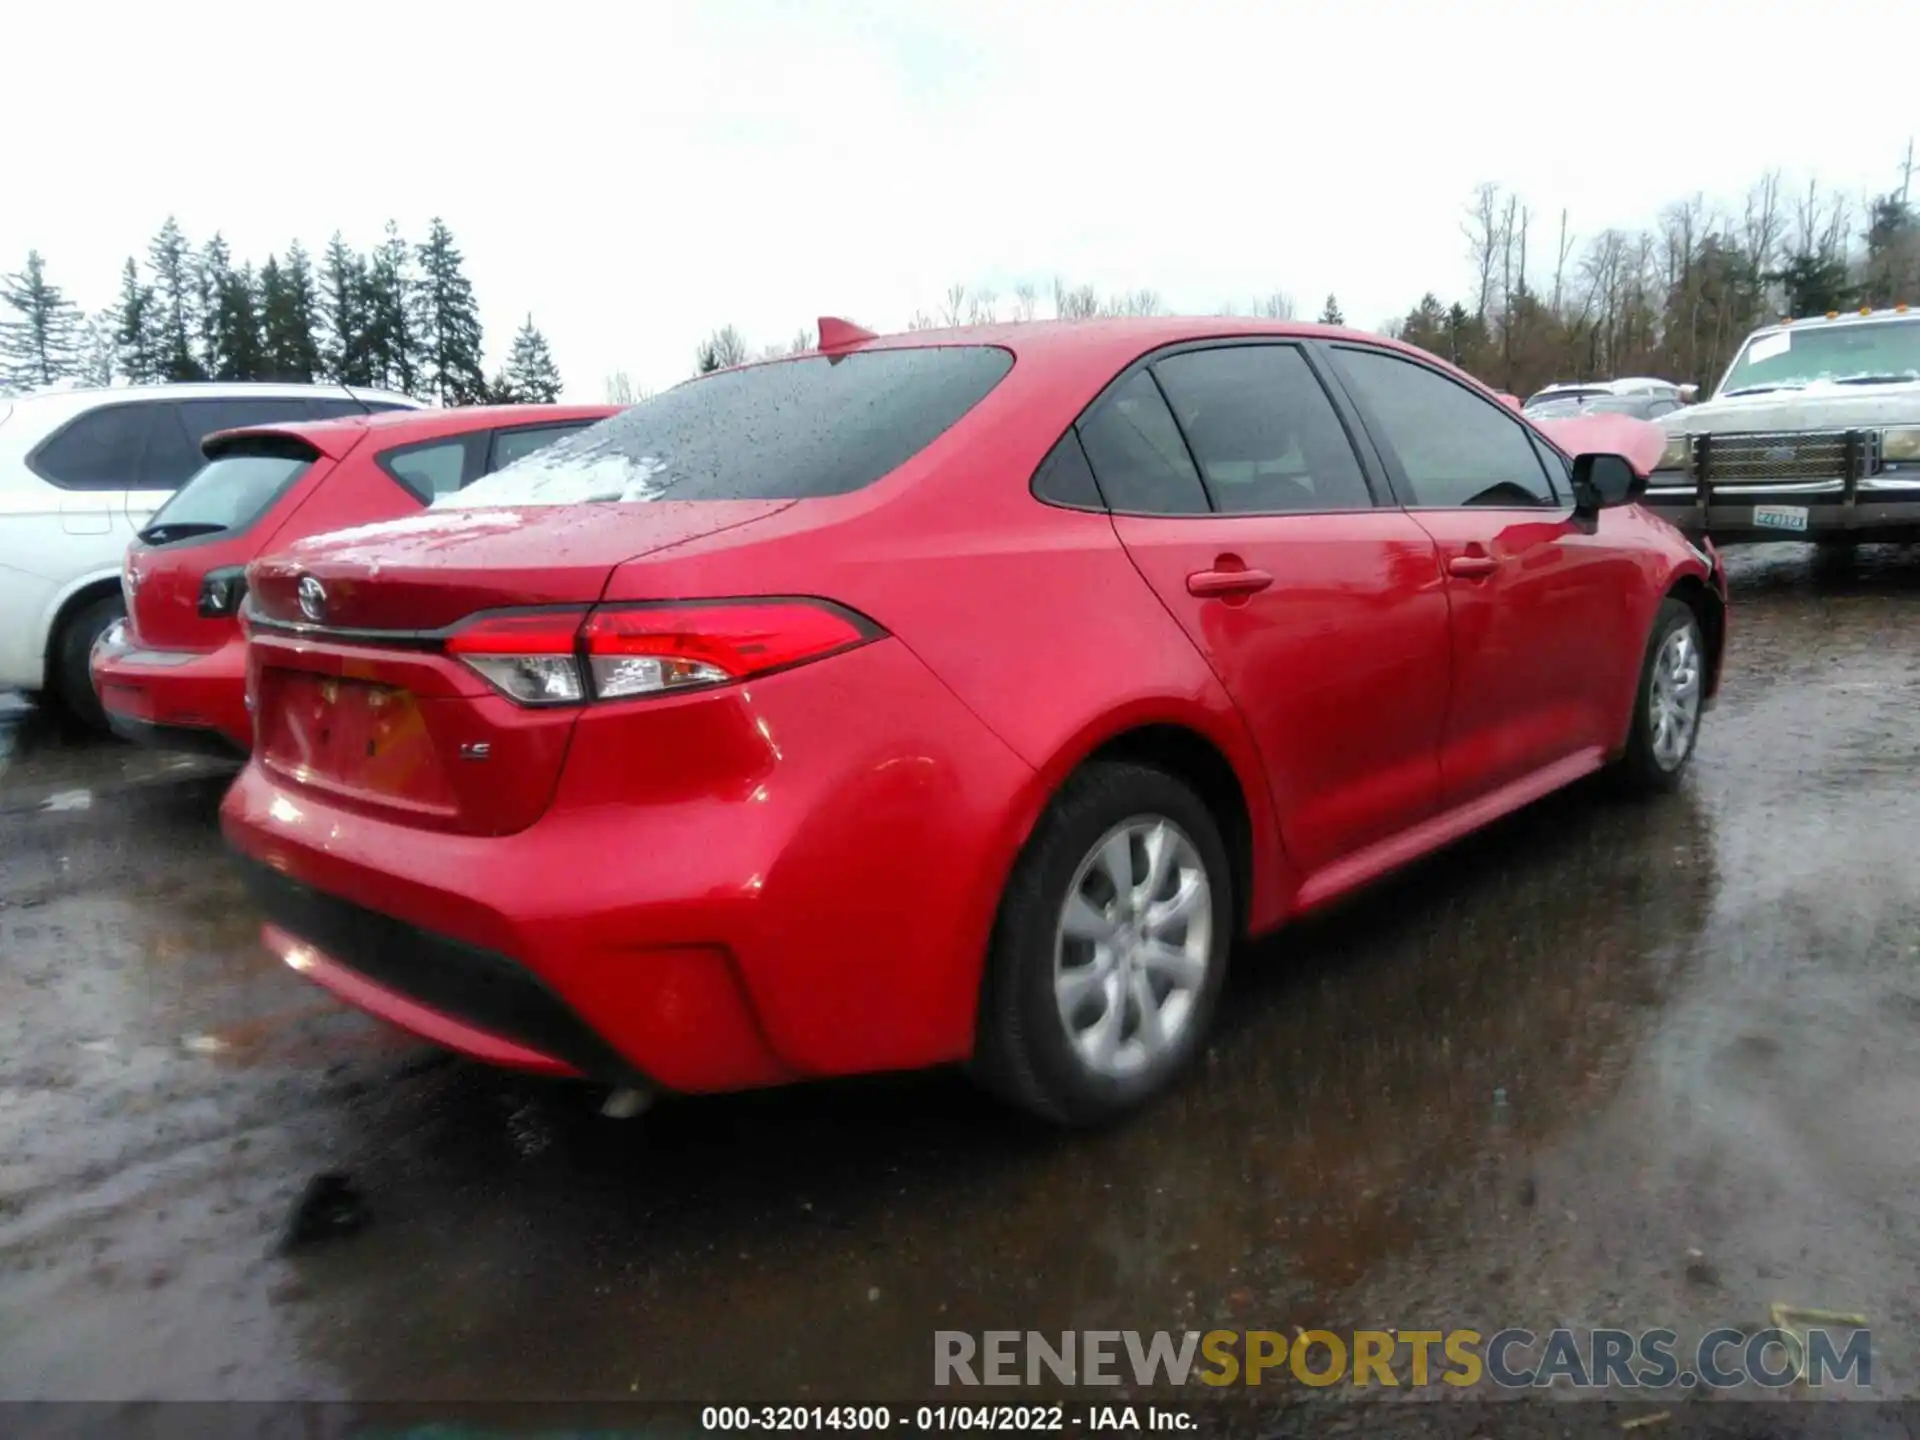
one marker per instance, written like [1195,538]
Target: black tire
[1641,770]
[72,679]
[1023,1052]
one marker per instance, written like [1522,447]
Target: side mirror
[1603,482]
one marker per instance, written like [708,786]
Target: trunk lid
[359,701]
[429,571]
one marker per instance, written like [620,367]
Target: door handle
[1215,583]
[1472,567]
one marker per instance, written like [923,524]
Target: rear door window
[1137,454]
[331,408]
[1065,477]
[228,494]
[103,449]
[176,453]
[788,430]
[1267,438]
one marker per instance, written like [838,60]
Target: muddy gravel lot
[1606,1065]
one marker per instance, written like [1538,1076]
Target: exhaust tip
[626,1102]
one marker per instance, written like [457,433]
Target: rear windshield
[225,495]
[790,430]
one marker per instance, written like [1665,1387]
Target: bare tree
[1561,254]
[1026,299]
[922,321]
[1278,305]
[1082,303]
[980,307]
[1482,230]
[622,391]
[1135,302]
[953,310]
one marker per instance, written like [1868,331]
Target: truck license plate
[1780,517]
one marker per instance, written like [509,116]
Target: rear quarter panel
[1032,615]
[353,491]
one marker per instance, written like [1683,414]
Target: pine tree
[449,322]
[287,350]
[344,326]
[1331,315]
[210,284]
[394,349]
[1814,284]
[99,348]
[531,376]
[237,349]
[39,344]
[171,261]
[137,335]
[298,335]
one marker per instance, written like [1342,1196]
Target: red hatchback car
[173,674]
[945,697]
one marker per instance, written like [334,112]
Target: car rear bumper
[457,995]
[175,699]
[827,916]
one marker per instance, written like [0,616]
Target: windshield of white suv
[1871,352]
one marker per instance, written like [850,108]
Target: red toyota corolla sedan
[173,674]
[951,696]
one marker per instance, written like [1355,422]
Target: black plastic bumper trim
[475,986]
[192,739]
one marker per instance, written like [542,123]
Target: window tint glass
[1453,447]
[1065,478]
[182,424]
[330,408]
[1559,469]
[512,445]
[103,449]
[429,470]
[788,430]
[1137,453]
[227,494]
[1267,437]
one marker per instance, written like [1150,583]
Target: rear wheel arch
[1187,754]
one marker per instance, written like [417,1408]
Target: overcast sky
[635,175]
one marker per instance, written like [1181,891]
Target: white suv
[80,472]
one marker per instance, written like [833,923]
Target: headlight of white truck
[1900,447]
[1679,450]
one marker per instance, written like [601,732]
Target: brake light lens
[620,652]
[221,592]
[647,649]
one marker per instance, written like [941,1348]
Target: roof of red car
[1109,344]
[400,427]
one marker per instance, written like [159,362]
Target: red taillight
[531,632]
[637,650]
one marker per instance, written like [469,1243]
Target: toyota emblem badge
[313,599]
